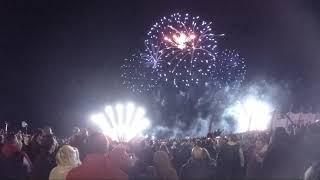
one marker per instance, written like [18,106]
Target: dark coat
[43,165]
[277,162]
[228,161]
[14,164]
[254,167]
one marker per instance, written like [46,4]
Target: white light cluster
[122,122]
[181,51]
[251,114]
[137,75]
[230,69]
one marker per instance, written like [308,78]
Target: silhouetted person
[45,161]
[277,161]
[200,166]
[14,164]
[255,159]
[230,160]
[79,140]
[162,168]
[35,145]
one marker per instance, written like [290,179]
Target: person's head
[37,136]
[209,141]
[47,131]
[218,140]
[1,139]
[26,139]
[221,141]
[49,143]
[97,143]
[75,130]
[260,142]
[164,148]
[198,143]
[279,135]
[163,167]
[161,159]
[68,156]
[11,139]
[84,132]
[19,136]
[233,138]
[313,172]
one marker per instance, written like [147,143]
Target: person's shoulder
[54,172]
[77,170]
[75,173]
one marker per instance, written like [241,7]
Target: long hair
[163,167]
[68,156]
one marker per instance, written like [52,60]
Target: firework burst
[137,75]
[181,48]
[230,69]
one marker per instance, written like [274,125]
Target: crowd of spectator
[291,153]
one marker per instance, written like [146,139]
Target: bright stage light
[122,122]
[251,114]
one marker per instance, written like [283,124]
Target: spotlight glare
[251,114]
[129,113]
[100,120]
[110,115]
[127,121]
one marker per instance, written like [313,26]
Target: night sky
[60,59]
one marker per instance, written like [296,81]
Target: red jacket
[96,167]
